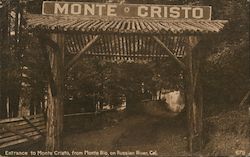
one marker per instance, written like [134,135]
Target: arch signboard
[172,12]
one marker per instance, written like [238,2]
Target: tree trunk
[25,101]
[3,106]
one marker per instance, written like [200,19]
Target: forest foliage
[225,74]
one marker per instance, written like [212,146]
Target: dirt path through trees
[166,136]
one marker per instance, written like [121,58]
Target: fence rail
[15,132]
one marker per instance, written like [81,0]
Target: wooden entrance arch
[121,39]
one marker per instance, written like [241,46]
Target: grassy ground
[228,133]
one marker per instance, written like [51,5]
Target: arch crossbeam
[171,54]
[81,53]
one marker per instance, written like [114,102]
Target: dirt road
[164,135]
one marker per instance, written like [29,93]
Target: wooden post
[55,100]
[193,96]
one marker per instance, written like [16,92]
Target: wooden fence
[23,131]
[16,132]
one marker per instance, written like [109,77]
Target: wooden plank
[77,42]
[134,46]
[109,46]
[80,40]
[139,46]
[154,51]
[118,43]
[18,119]
[182,65]
[21,125]
[151,49]
[79,55]
[99,46]
[67,44]
[17,137]
[15,132]
[82,114]
[6,133]
[128,47]
[21,141]
[23,130]
[113,48]
[122,39]
[11,120]
[122,46]
[177,45]
[147,47]
[144,45]
[104,46]
[33,126]
[24,124]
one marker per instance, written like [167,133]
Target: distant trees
[21,83]
[227,69]
[9,58]
[106,81]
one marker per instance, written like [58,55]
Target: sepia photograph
[124,78]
